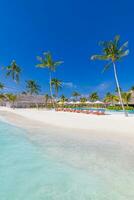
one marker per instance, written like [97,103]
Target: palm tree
[63,99]
[13,70]
[2,97]
[76,95]
[83,100]
[113,52]
[46,61]
[57,84]
[11,98]
[126,96]
[47,97]
[32,87]
[111,98]
[132,89]
[94,96]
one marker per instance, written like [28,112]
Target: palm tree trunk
[50,85]
[56,94]
[119,92]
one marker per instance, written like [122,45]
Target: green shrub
[119,107]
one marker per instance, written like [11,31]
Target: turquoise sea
[52,166]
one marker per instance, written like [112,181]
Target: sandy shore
[108,123]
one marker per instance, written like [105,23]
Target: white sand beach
[107,123]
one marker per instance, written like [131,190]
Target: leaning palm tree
[13,70]
[32,87]
[76,95]
[46,61]
[57,84]
[113,52]
[94,96]
[126,96]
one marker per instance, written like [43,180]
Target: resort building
[26,101]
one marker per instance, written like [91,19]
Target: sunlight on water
[55,167]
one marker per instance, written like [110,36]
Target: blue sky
[71,30]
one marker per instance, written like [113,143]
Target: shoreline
[106,123]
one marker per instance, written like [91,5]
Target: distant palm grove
[112,52]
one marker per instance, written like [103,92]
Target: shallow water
[54,166]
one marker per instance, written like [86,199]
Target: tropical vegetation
[113,52]
[76,94]
[94,96]
[13,71]
[56,84]
[47,62]
[32,87]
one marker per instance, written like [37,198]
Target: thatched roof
[30,98]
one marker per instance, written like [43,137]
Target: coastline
[106,123]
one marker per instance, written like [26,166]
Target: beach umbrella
[71,102]
[77,102]
[88,102]
[98,102]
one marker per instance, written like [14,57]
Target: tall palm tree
[126,96]
[94,96]
[57,84]
[32,87]
[113,52]
[46,61]
[13,70]
[76,95]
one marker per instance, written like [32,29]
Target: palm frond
[48,57]
[9,67]
[107,66]
[125,45]
[39,58]
[125,53]
[116,40]
[8,73]
[57,63]
[99,57]
[42,65]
